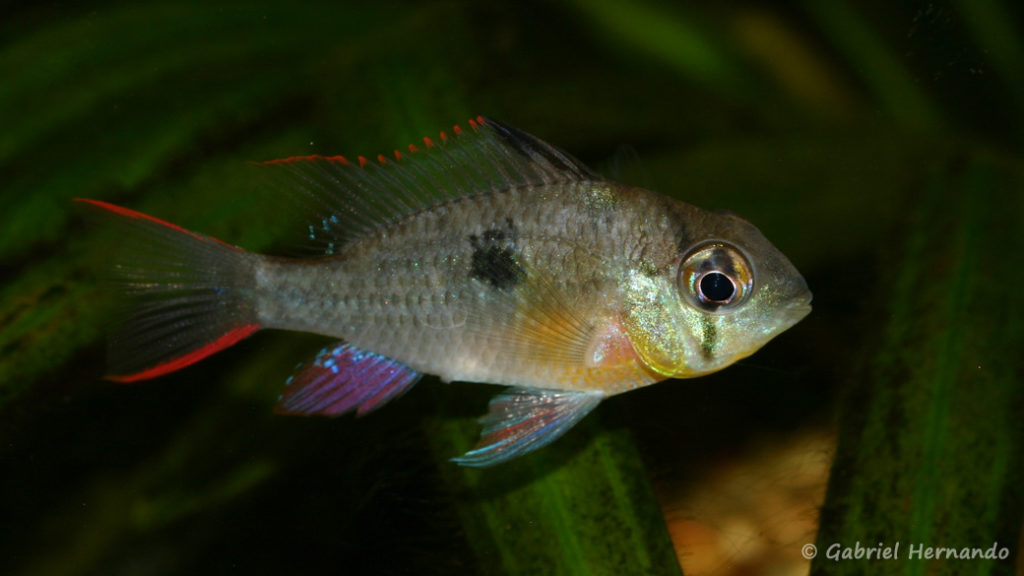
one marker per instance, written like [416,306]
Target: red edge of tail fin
[129,213]
[233,337]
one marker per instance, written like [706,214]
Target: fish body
[487,256]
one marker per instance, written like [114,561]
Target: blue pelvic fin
[342,378]
[521,420]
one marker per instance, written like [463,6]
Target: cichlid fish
[484,256]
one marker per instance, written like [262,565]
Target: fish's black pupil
[716,287]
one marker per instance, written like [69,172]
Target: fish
[484,255]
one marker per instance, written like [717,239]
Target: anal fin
[521,420]
[343,378]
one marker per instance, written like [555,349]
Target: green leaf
[930,445]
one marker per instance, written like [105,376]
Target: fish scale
[484,256]
[425,268]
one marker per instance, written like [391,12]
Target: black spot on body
[497,266]
[494,259]
[494,235]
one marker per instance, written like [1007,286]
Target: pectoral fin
[521,420]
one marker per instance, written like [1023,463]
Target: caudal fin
[186,296]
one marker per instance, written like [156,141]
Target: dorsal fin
[351,198]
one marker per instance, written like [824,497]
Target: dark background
[821,122]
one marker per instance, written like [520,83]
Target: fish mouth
[799,309]
[798,312]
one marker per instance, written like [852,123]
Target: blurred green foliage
[877,144]
[930,447]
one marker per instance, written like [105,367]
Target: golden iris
[716,277]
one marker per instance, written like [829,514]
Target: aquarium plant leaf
[931,453]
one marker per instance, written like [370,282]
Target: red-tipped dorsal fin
[484,154]
[474,124]
[306,158]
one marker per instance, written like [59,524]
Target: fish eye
[716,287]
[715,277]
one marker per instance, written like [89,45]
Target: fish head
[723,294]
